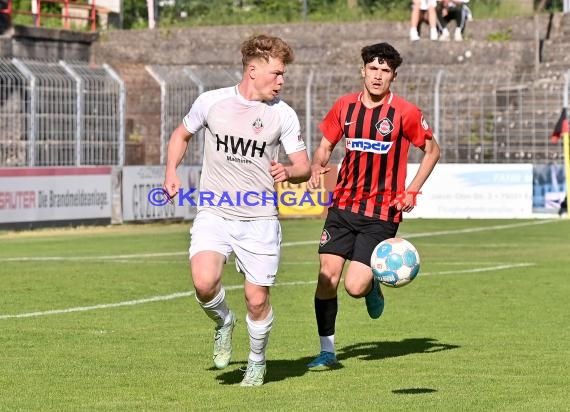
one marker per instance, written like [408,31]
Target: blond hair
[263,47]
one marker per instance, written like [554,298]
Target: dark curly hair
[385,53]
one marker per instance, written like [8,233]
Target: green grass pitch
[104,319]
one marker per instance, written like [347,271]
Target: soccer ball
[395,262]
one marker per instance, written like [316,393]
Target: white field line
[477,270]
[87,258]
[234,287]
[479,229]
[284,244]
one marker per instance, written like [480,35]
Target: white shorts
[255,243]
[425,4]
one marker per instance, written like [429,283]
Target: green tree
[135,14]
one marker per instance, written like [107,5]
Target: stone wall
[28,42]
[5,47]
[327,42]
[314,43]
[492,45]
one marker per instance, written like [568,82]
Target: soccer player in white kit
[245,126]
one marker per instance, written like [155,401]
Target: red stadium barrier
[66,5]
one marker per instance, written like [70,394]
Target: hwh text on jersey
[365,145]
[240,146]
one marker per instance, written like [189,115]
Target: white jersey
[242,137]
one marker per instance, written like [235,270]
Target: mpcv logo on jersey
[366,145]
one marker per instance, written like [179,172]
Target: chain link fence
[179,87]
[71,114]
[60,114]
[478,115]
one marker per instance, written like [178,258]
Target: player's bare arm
[429,160]
[297,172]
[321,158]
[177,146]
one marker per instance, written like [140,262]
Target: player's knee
[205,295]
[205,288]
[354,291]
[355,287]
[256,307]
[327,282]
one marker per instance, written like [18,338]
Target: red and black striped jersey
[372,175]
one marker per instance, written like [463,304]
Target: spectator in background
[452,10]
[423,11]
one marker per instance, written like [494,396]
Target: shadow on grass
[281,369]
[277,370]
[413,391]
[383,350]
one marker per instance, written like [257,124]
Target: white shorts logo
[366,145]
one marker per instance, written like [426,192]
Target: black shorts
[353,236]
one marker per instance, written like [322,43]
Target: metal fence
[60,114]
[68,114]
[479,115]
[179,87]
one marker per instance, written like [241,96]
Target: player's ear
[362,70]
[251,70]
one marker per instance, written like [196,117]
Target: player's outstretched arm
[429,160]
[177,146]
[321,158]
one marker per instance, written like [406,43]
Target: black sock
[325,311]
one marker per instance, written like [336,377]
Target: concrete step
[556,51]
[328,42]
[564,27]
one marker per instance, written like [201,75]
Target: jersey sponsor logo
[240,146]
[236,159]
[348,123]
[325,237]
[257,126]
[384,126]
[424,123]
[370,146]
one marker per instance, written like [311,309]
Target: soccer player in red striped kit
[370,195]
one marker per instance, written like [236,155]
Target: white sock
[259,336]
[327,343]
[217,309]
[414,35]
[433,33]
